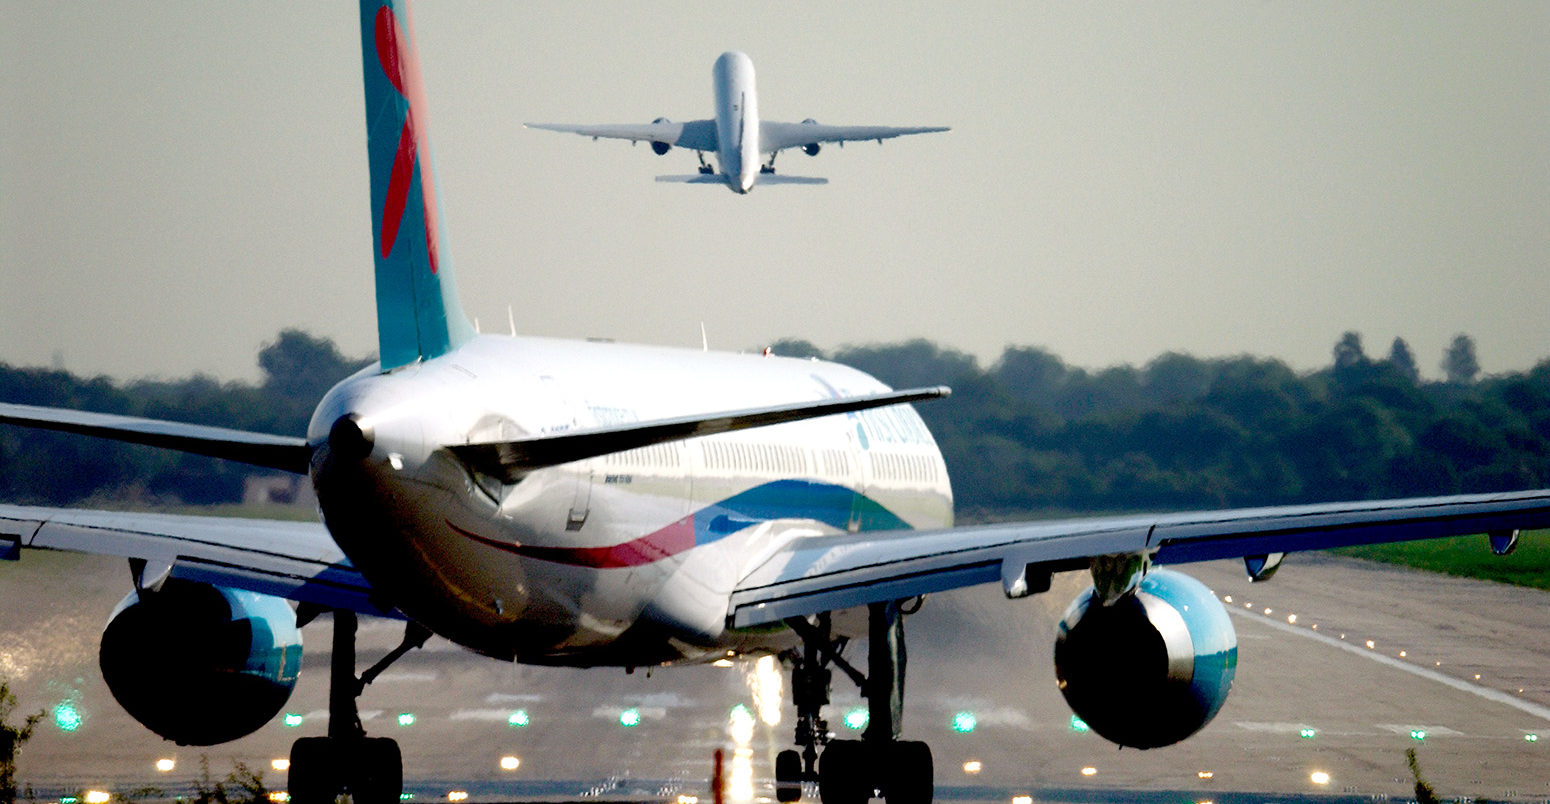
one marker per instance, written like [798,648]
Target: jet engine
[812,148]
[661,147]
[1153,667]
[199,664]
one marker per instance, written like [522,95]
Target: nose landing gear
[371,769]
[853,771]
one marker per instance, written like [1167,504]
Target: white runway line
[1497,696]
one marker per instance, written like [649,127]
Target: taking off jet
[745,145]
[597,504]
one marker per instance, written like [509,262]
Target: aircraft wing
[510,459]
[826,573]
[696,135]
[780,136]
[285,453]
[294,560]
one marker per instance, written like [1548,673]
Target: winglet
[418,315]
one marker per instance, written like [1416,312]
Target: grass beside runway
[1469,557]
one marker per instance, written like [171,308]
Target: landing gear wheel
[378,776]
[844,772]
[312,778]
[909,778]
[788,776]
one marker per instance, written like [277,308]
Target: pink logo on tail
[402,72]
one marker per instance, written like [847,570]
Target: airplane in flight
[745,144]
[598,504]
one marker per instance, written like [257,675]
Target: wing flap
[825,573]
[295,560]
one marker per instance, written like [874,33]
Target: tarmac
[1459,670]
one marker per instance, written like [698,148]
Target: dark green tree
[1348,351]
[1403,360]
[1459,364]
[12,737]
[301,366]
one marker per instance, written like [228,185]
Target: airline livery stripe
[832,505]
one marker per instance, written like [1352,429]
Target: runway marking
[1496,696]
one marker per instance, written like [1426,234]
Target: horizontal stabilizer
[512,459]
[288,454]
[695,178]
[782,178]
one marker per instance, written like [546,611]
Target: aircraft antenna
[511,320]
[704,338]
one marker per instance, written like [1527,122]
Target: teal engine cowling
[1152,668]
[199,664]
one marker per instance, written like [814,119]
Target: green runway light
[1531,738]
[292,719]
[1307,733]
[406,719]
[406,797]
[67,717]
[964,722]
[1078,724]
[518,719]
[856,719]
[1418,734]
[629,718]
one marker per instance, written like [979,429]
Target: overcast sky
[181,180]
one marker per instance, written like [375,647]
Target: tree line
[1026,433]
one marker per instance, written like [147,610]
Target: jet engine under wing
[294,560]
[826,573]
[512,459]
[780,136]
[288,454]
[695,135]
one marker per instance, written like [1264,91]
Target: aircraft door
[861,473]
[581,501]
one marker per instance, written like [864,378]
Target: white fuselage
[737,121]
[625,559]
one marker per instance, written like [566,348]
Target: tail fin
[418,315]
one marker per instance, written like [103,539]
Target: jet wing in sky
[695,135]
[780,136]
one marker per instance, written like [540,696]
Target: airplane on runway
[598,504]
[738,136]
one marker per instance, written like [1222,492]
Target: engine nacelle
[199,664]
[812,148]
[1153,668]
[661,147]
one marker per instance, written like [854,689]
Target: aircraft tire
[378,772]
[910,775]
[312,778]
[788,776]
[844,773]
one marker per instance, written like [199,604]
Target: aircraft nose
[349,440]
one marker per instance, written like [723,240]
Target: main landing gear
[371,769]
[852,771]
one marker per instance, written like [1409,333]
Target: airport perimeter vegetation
[1028,436]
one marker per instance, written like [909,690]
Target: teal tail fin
[418,315]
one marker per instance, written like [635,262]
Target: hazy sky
[181,180]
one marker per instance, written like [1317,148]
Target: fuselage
[737,120]
[625,559]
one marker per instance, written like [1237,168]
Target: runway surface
[969,651]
